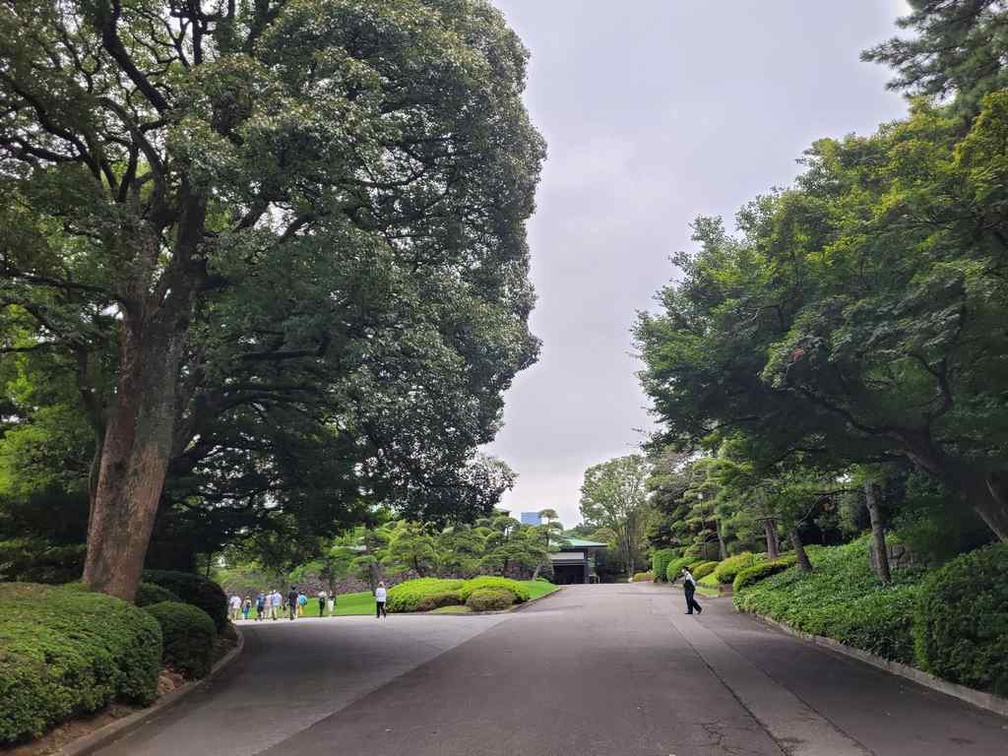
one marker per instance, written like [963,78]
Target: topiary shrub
[519,591]
[752,575]
[151,593]
[189,636]
[642,577]
[727,570]
[193,589]
[961,620]
[674,570]
[418,595]
[489,599]
[703,569]
[64,652]
[660,560]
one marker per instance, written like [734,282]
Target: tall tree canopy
[614,496]
[278,247]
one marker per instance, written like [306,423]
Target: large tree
[227,195]
[614,496]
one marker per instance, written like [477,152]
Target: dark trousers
[691,603]
[380,609]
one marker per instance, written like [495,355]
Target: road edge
[523,604]
[978,698]
[88,744]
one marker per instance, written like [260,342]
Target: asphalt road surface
[618,670]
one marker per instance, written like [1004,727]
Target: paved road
[606,669]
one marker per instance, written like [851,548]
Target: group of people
[272,605]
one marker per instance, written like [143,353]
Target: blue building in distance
[531,518]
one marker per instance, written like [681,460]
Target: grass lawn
[451,610]
[348,604]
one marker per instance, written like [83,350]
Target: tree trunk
[772,539]
[722,548]
[135,454]
[880,560]
[799,547]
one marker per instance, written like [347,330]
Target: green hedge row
[489,599]
[728,569]
[149,593]
[424,594]
[189,637]
[762,570]
[674,569]
[703,569]
[660,560]
[64,651]
[193,589]
[32,560]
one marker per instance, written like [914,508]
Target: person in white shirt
[235,604]
[380,595]
[689,586]
[276,604]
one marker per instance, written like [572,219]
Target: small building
[575,562]
[531,518]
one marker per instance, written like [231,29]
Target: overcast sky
[656,111]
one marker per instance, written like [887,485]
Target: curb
[88,744]
[519,607]
[977,698]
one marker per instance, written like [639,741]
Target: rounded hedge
[193,589]
[703,569]
[961,620]
[519,591]
[151,593]
[423,594]
[489,599]
[728,570]
[64,652]
[642,577]
[752,575]
[660,560]
[189,634]
[674,569]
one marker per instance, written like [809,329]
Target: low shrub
[189,635]
[703,569]
[760,571]
[519,591]
[193,589]
[417,595]
[727,570]
[643,577]
[841,599]
[64,652]
[660,560]
[674,570]
[489,599]
[961,620]
[151,593]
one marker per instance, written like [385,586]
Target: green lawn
[364,603]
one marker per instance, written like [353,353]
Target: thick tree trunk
[880,560]
[772,539]
[799,547]
[135,454]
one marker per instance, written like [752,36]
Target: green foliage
[674,569]
[841,599]
[614,496]
[152,593]
[517,589]
[489,599]
[660,560]
[37,561]
[64,651]
[761,570]
[703,569]
[189,637]
[193,589]
[642,577]
[961,620]
[727,570]
[423,594]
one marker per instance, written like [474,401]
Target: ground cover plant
[65,651]
[842,599]
[726,570]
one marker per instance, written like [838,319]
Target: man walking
[292,602]
[380,595]
[689,586]
[277,606]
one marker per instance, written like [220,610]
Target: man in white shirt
[689,585]
[380,595]
[235,604]
[276,604]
